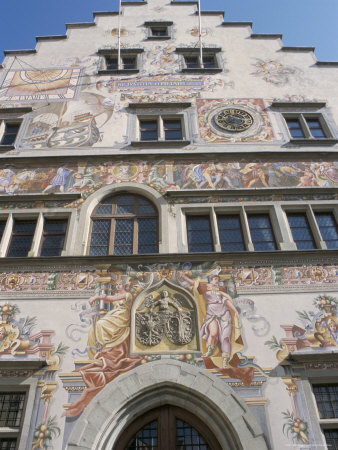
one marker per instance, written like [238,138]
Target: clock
[233,120]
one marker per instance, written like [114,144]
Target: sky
[309,23]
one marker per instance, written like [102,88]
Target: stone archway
[167,382]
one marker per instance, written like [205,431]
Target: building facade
[168,237]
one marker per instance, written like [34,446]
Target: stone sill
[158,38]
[310,142]
[160,144]
[200,70]
[118,72]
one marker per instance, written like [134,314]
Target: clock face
[234,120]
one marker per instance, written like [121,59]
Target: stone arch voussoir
[167,382]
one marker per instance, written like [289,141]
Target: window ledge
[160,105]
[160,144]
[200,70]
[118,72]
[5,148]
[317,142]
[158,38]
[124,51]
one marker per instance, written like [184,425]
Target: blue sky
[310,23]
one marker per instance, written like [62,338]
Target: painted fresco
[19,342]
[67,124]
[261,129]
[40,85]
[165,175]
[274,72]
[134,315]
[125,316]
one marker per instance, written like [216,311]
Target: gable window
[130,61]
[124,224]
[158,30]
[193,61]
[126,63]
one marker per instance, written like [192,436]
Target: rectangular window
[295,128]
[195,62]
[161,129]
[12,405]
[301,231]
[328,228]
[10,133]
[127,63]
[191,62]
[327,400]
[172,129]
[148,130]
[22,238]
[331,438]
[261,232]
[159,31]
[303,126]
[199,234]
[53,239]
[230,233]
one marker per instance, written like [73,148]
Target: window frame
[325,424]
[11,116]
[113,53]
[29,387]
[242,211]
[214,52]
[150,25]
[310,210]
[302,111]
[113,217]
[37,241]
[159,112]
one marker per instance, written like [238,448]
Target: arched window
[124,224]
[167,428]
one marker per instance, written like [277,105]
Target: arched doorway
[167,428]
[166,382]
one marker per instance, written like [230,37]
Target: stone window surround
[159,24]
[158,111]
[132,52]
[11,116]
[82,236]
[216,52]
[302,110]
[13,382]
[38,234]
[277,214]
